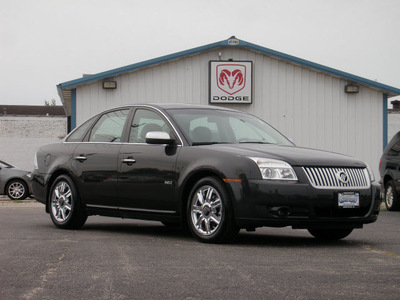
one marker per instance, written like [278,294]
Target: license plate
[349,200]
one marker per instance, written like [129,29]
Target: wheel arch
[386,179]
[189,183]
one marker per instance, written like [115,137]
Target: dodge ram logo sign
[231,78]
[230,82]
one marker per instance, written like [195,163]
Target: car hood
[295,156]
[14,172]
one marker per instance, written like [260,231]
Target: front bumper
[277,204]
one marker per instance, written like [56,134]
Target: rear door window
[78,134]
[109,128]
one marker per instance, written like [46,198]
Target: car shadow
[281,240]
[268,238]
[154,229]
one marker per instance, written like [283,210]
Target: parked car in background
[14,182]
[212,169]
[389,169]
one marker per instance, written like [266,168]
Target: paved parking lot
[129,259]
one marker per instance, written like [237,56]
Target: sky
[47,42]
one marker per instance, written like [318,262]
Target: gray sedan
[14,182]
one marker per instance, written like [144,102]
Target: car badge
[342,177]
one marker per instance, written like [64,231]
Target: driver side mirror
[159,138]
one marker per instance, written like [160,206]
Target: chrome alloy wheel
[389,196]
[16,190]
[61,201]
[206,210]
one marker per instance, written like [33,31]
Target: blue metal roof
[231,42]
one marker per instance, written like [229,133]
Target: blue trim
[144,64]
[385,120]
[318,67]
[80,81]
[73,109]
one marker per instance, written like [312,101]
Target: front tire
[210,213]
[66,210]
[392,197]
[17,189]
[330,234]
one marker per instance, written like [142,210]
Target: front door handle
[129,161]
[81,158]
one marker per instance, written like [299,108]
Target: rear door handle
[129,161]
[81,158]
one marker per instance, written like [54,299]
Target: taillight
[35,163]
[380,162]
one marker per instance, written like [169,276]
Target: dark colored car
[212,169]
[14,182]
[389,169]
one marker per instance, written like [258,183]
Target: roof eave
[65,102]
[389,90]
[118,71]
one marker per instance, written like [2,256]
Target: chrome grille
[334,178]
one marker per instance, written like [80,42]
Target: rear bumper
[39,187]
[262,203]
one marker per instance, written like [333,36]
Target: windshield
[3,164]
[206,126]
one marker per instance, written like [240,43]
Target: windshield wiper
[254,142]
[208,143]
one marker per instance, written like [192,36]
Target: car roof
[168,106]
[187,106]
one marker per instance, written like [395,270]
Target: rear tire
[392,197]
[210,213]
[330,234]
[66,209]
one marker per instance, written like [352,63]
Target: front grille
[338,178]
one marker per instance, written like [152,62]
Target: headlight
[274,169]
[371,174]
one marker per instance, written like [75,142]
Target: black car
[211,169]
[389,169]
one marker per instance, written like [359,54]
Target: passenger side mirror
[159,138]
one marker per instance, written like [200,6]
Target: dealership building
[314,105]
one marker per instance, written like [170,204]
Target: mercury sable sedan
[210,169]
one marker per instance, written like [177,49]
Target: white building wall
[393,124]
[20,137]
[309,107]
